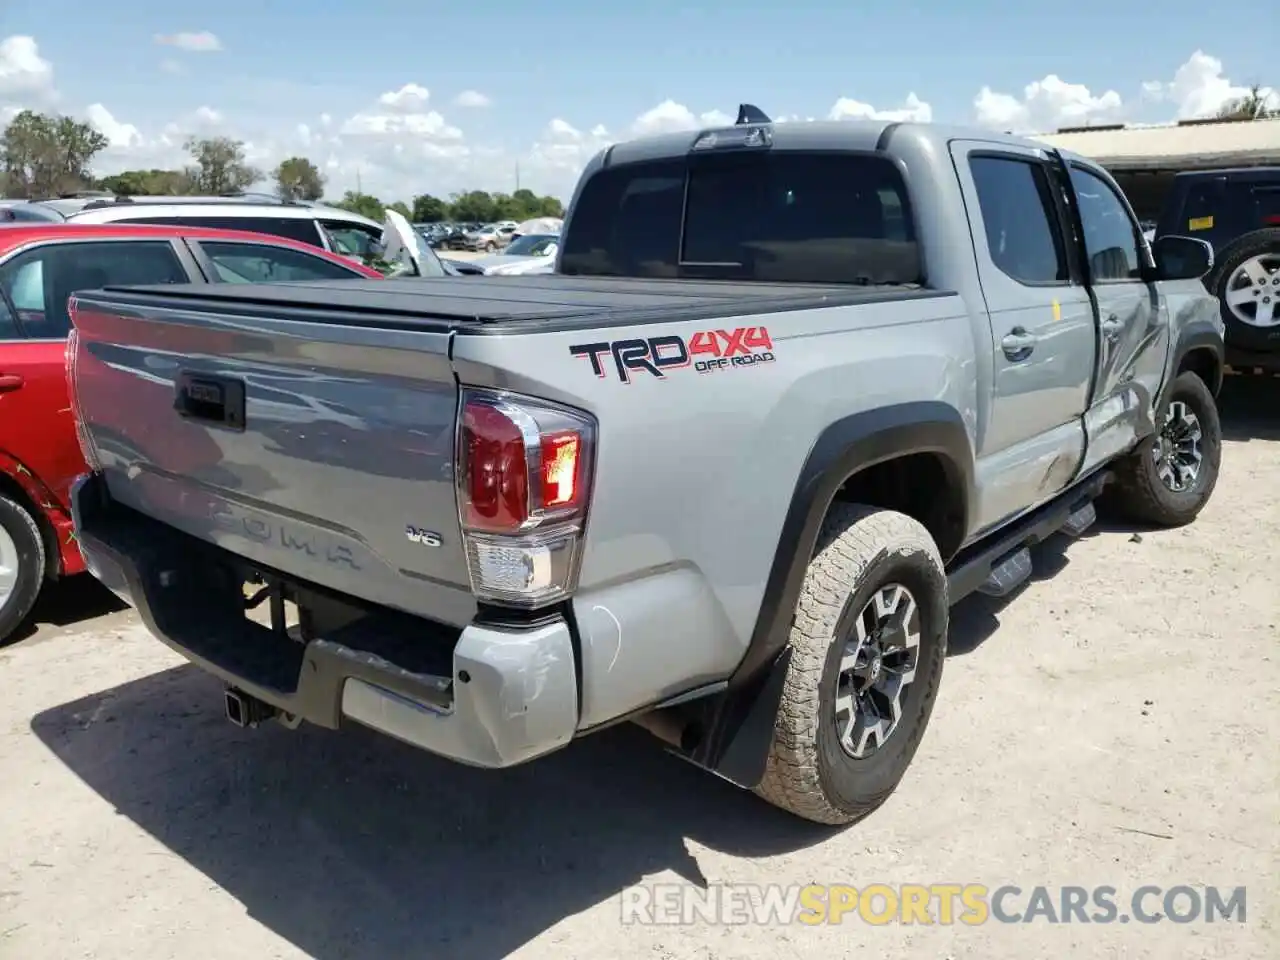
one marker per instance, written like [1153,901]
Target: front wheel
[868,642]
[1170,476]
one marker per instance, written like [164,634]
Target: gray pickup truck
[794,390]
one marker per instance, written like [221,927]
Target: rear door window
[785,216]
[39,282]
[1020,220]
[264,263]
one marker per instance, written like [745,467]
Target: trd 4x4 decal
[706,351]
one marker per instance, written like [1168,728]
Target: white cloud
[1046,105]
[410,98]
[25,76]
[193,42]
[672,117]
[1200,88]
[171,66]
[120,136]
[472,99]
[207,117]
[913,110]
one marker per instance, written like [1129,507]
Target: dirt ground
[1116,723]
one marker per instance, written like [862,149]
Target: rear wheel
[21,565]
[1170,476]
[868,642]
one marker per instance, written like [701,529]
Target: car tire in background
[22,564]
[868,641]
[1258,253]
[1169,477]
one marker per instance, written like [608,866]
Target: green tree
[401,208]
[220,167]
[42,155]
[142,183]
[1257,104]
[299,179]
[361,203]
[429,209]
[475,205]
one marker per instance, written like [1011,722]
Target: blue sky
[590,64]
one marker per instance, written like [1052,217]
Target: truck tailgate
[320,450]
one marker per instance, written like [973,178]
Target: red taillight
[524,480]
[497,470]
[1273,221]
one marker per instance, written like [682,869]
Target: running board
[994,565]
[1009,574]
[1081,520]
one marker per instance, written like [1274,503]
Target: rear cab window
[779,216]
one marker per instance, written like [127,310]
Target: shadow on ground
[65,602]
[1250,408]
[352,845]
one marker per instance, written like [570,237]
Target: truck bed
[476,305]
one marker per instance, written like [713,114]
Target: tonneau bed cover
[452,302]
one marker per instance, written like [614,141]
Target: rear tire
[22,563]
[1143,492]
[821,765]
[1263,248]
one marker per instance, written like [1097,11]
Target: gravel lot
[1120,727]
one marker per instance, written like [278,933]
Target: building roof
[1190,144]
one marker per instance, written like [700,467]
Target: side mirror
[1181,258]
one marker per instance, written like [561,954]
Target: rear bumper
[488,697]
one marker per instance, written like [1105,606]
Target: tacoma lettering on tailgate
[706,351]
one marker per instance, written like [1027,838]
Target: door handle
[1112,327]
[1018,344]
[10,382]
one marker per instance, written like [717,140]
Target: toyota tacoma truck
[793,391]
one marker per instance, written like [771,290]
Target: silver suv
[329,228]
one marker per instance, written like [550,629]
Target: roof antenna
[750,113]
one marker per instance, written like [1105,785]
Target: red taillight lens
[524,480]
[497,489]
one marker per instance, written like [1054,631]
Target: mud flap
[743,729]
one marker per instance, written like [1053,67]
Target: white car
[532,254]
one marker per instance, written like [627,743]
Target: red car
[41,265]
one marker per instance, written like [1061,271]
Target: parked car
[1238,213]
[328,228]
[723,474]
[23,211]
[41,265]
[489,237]
[527,255]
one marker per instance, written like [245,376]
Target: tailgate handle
[10,382]
[210,399]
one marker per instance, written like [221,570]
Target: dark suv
[1238,213]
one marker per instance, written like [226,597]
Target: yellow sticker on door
[1057,311]
[1200,223]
